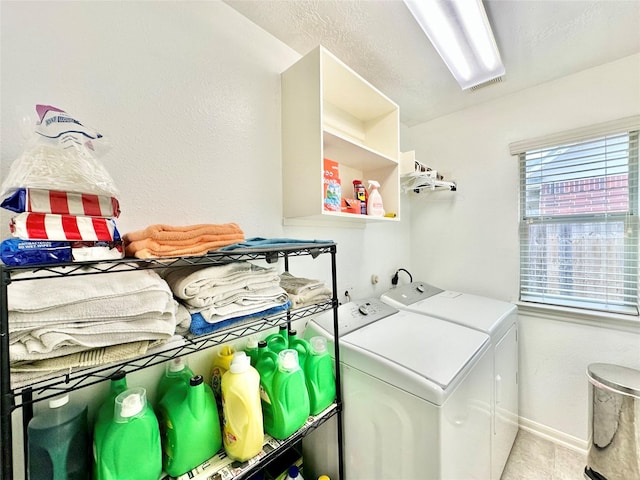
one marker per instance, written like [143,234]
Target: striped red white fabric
[43,226]
[68,203]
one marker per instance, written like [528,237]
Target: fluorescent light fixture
[460,32]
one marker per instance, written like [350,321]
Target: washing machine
[416,396]
[497,319]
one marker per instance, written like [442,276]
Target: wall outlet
[347,294]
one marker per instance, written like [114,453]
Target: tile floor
[533,457]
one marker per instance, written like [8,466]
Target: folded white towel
[52,342]
[47,293]
[196,287]
[234,310]
[299,285]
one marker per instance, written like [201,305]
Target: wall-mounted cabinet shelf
[329,111]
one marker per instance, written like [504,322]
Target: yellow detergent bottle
[242,431]
[219,367]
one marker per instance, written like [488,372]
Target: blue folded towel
[259,242]
[199,326]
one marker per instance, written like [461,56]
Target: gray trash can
[614,447]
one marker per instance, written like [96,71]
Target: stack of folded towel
[304,291]
[218,293]
[178,241]
[112,316]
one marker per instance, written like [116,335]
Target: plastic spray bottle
[375,207]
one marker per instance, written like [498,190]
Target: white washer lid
[481,313]
[420,354]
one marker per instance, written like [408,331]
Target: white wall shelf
[329,111]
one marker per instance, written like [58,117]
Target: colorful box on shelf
[331,186]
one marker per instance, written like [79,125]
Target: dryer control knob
[420,288]
[363,310]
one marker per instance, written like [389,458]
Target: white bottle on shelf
[375,207]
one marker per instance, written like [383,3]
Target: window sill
[615,321]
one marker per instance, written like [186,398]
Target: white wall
[188,96]
[468,240]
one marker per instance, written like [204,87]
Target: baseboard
[555,436]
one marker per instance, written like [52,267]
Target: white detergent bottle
[374,204]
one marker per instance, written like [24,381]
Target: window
[579,219]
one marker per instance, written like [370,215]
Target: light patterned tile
[531,458]
[568,465]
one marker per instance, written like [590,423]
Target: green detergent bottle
[251,349]
[289,399]
[131,448]
[266,365]
[190,425]
[319,376]
[278,341]
[104,417]
[299,345]
[177,372]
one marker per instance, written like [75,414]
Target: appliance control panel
[412,293]
[355,315]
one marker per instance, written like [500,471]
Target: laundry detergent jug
[289,397]
[58,440]
[220,365]
[278,341]
[319,376]
[300,345]
[190,426]
[242,433]
[104,416]
[131,449]
[177,372]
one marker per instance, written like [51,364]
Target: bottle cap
[262,344]
[293,332]
[240,363]
[293,471]
[130,403]
[176,365]
[196,380]
[323,477]
[318,345]
[119,375]
[59,402]
[252,342]
[288,360]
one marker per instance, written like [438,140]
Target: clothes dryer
[416,395]
[499,320]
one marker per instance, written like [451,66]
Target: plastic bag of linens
[60,155]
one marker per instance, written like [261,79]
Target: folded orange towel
[171,241]
[164,233]
[149,248]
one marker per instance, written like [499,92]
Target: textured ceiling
[538,40]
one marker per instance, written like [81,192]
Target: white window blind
[579,222]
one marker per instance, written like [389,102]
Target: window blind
[579,222]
